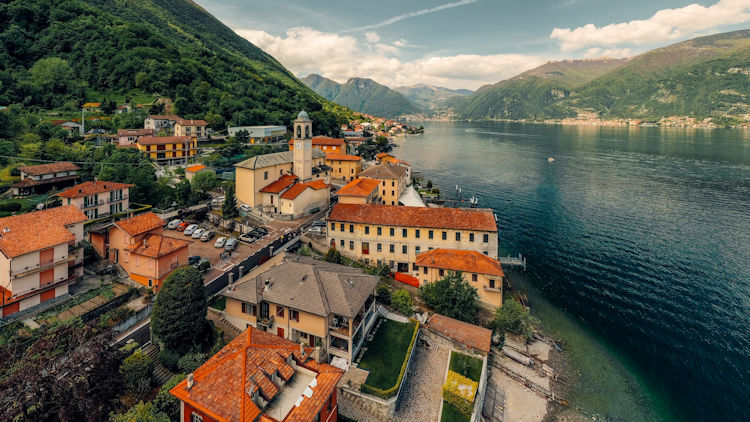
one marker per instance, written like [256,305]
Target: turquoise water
[638,242]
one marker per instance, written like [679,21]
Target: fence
[134,319]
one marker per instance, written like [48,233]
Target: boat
[551,159]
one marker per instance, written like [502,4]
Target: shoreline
[592,123]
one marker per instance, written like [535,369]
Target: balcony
[493,289]
[266,321]
[23,272]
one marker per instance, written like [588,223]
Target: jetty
[513,261]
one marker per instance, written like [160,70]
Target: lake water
[638,248]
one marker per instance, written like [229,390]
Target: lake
[638,248]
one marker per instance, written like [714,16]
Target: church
[286,185]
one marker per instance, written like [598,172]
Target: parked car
[174,223]
[315,229]
[203,265]
[262,230]
[198,233]
[245,208]
[220,242]
[207,235]
[231,244]
[255,233]
[194,259]
[182,226]
[247,238]
[190,229]
[319,223]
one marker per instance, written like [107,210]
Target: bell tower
[302,145]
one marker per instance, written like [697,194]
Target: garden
[386,356]
[460,388]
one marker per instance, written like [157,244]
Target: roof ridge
[321,289]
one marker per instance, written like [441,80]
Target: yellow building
[360,191]
[324,143]
[191,128]
[168,150]
[344,166]
[306,301]
[397,235]
[393,181]
[482,272]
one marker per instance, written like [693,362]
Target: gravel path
[422,393]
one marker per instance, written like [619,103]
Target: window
[341,242]
[380,247]
[196,418]
[393,232]
[351,228]
[458,236]
[404,233]
[424,270]
[367,229]
[365,248]
[333,227]
[393,193]
[294,315]
[391,263]
[393,183]
[342,226]
[150,283]
[383,185]
[492,283]
[416,233]
[445,235]
[248,308]
[265,175]
[351,245]
[380,231]
[486,253]
[403,249]
[474,277]
[416,250]
[441,272]
[279,311]
[471,237]
[430,234]
[486,238]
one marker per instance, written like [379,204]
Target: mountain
[56,54]
[430,96]
[363,95]
[702,77]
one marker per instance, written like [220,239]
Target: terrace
[386,354]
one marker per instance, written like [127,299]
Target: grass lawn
[386,353]
[219,303]
[452,414]
[467,366]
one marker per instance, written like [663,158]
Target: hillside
[363,95]
[702,77]
[429,96]
[56,54]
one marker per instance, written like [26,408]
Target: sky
[463,43]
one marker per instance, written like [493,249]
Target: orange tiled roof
[342,157]
[465,261]
[49,168]
[160,140]
[325,140]
[25,233]
[381,155]
[470,335]
[185,122]
[297,189]
[140,223]
[361,186]
[195,168]
[156,246]
[92,188]
[394,215]
[224,385]
[279,185]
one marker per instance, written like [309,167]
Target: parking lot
[207,249]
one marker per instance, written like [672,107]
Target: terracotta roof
[325,140]
[343,157]
[28,182]
[360,186]
[469,335]
[49,168]
[91,188]
[25,233]
[140,223]
[381,155]
[279,185]
[160,140]
[186,122]
[465,261]
[224,386]
[195,168]
[481,219]
[135,132]
[297,189]
[384,171]
[156,246]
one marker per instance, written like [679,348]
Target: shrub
[166,403]
[333,255]
[141,412]
[191,361]
[384,294]
[129,348]
[10,206]
[136,368]
[169,359]
[512,316]
[15,172]
[460,392]
[402,302]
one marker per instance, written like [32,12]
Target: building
[43,178]
[393,181]
[344,166]
[260,134]
[325,144]
[126,137]
[98,198]
[397,235]
[168,150]
[482,272]
[260,377]
[353,133]
[191,128]
[191,171]
[360,191]
[463,336]
[354,142]
[161,123]
[137,245]
[41,256]
[306,301]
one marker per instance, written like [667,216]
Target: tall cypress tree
[179,314]
[229,207]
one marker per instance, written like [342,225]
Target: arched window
[299,131]
[307,132]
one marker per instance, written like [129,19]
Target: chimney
[190,381]
[301,348]
[316,354]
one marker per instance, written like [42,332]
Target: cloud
[664,25]
[305,50]
[413,14]
[372,37]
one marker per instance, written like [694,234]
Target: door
[312,340]
[280,332]
[46,256]
[46,277]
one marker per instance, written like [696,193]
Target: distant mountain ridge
[363,95]
[430,96]
[701,77]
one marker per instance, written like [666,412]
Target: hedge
[390,392]
[460,392]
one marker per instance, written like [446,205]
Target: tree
[191,361]
[165,402]
[429,184]
[333,255]
[215,121]
[384,294]
[229,207]
[512,316]
[179,314]
[136,368]
[203,182]
[141,412]
[242,136]
[402,302]
[7,149]
[451,296]
[182,192]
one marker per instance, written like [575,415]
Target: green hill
[363,95]
[429,96]
[56,54]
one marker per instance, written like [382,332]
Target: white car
[245,208]
[190,229]
[315,229]
[220,242]
[174,223]
[198,233]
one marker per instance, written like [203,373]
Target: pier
[513,261]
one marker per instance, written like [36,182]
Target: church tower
[302,144]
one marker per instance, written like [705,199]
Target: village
[340,284]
